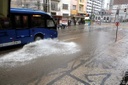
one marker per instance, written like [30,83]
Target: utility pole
[38,4]
[45,5]
[92,12]
[117,22]
[117,14]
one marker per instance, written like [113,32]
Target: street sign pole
[117,24]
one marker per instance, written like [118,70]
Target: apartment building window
[65,6]
[54,6]
[74,7]
[81,7]
[81,0]
[65,15]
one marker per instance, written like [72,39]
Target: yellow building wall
[85,6]
[82,3]
[4,7]
[74,12]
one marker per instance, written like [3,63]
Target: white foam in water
[37,49]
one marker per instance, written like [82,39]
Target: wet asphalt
[81,51]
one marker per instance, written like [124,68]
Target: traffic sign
[117,23]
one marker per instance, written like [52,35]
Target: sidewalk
[103,25]
[93,71]
[121,25]
[104,67]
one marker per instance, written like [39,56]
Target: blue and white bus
[23,25]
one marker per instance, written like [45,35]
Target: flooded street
[80,56]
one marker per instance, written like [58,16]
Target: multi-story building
[74,8]
[81,7]
[54,9]
[64,7]
[122,5]
[81,11]
[33,4]
[111,4]
[94,6]
[26,4]
[74,11]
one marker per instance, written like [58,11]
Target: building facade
[27,4]
[94,6]
[122,6]
[74,7]
[65,8]
[105,17]
[54,9]
[64,11]
[81,7]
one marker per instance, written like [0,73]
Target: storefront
[57,18]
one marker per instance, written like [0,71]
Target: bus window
[38,21]
[1,23]
[25,21]
[5,23]
[50,23]
[18,21]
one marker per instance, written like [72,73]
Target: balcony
[81,12]
[55,9]
[81,3]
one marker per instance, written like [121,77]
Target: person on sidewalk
[69,22]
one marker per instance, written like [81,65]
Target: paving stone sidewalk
[106,66]
[121,25]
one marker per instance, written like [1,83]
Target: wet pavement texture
[81,56]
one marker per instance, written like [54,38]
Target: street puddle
[42,48]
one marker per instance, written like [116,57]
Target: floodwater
[35,59]
[79,57]
[42,48]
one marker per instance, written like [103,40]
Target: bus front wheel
[38,38]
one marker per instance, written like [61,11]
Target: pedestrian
[69,22]
[89,23]
[74,22]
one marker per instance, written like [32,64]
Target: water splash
[42,48]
